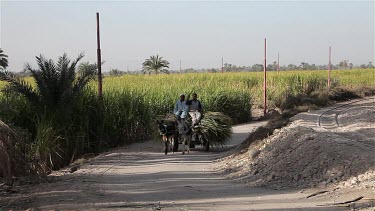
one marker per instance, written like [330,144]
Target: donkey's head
[183,128]
[161,128]
[164,128]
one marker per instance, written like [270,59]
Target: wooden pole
[99,57]
[222,64]
[265,77]
[329,68]
[278,62]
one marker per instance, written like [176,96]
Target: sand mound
[298,156]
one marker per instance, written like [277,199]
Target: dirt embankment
[305,155]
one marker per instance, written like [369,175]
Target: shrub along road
[141,177]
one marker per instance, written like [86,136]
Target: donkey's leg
[171,139]
[166,147]
[183,143]
[188,138]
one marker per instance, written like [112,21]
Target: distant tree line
[156,64]
[273,67]
[343,65]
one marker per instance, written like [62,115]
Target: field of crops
[231,93]
[131,104]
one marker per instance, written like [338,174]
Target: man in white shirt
[195,109]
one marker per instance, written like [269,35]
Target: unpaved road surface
[141,177]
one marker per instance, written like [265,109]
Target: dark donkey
[169,133]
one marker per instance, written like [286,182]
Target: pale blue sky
[199,33]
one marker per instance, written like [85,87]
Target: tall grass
[130,103]
[231,93]
[143,96]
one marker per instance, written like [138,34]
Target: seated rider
[181,109]
[195,109]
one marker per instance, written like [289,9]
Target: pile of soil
[297,156]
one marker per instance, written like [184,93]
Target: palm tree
[56,83]
[52,100]
[115,72]
[86,67]
[156,64]
[3,60]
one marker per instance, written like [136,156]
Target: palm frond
[216,127]
[3,60]
[75,62]
[19,86]
[67,77]
[164,71]
[84,78]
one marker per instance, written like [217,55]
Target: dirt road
[141,177]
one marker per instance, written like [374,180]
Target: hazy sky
[199,33]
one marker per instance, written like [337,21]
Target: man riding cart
[193,107]
[185,126]
[212,129]
[181,108]
[195,110]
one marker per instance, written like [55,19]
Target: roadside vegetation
[58,117]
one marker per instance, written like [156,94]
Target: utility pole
[346,63]
[99,57]
[180,67]
[265,77]
[329,68]
[222,64]
[278,62]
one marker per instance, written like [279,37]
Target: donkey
[167,131]
[185,135]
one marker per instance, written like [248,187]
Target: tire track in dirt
[329,118]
